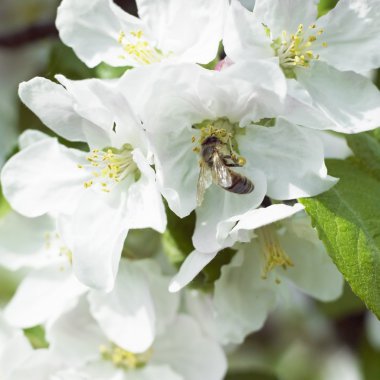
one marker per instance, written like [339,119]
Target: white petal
[94,370]
[189,353]
[56,108]
[254,90]
[300,109]
[244,38]
[335,146]
[98,230]
[349,100]
[101,370]
[351,31]
[14,348]
[221,210]
[154,372]
[372,327]
[23,241]
[264,216]
[42,294]
[242,298]
[191,30]
[93,28]
[126,315]
[31,136]
[280,15]
[192,265]
[145,208]
[44,177]
[290,156]
[165,304]
[75,336]
[198,304]
[39,365]
[127,128]
[177,170]
[313,271]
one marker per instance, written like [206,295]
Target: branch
[28,35]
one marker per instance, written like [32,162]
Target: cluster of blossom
[237,145]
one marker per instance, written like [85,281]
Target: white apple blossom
[174,30]
[262,273]
[134,332]
[50,286]
[98,195]
[322,58]
[284,161]
[89,352]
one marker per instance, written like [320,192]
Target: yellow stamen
[110,166]
[139,48]
[273,252]
[295,49]
[125,359]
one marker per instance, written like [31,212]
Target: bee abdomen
[240,184]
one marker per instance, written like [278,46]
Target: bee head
[211,140]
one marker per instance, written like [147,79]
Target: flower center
[273,252]
[225,132]
[139,48]
[295,50]
[125,359]
[110,166]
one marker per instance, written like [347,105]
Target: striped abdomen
[240,184]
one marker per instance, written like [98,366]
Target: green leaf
[105,71]
[367,152]
[325,5]
[176,240]
[64,61]
[36,337]
[347,219]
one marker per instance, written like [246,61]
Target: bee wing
[221,175]
[204,181]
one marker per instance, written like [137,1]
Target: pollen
[124,359]
[139,48]
[295,50]
[109,167]
[274,254]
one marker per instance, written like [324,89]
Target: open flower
[320,57]
[283,161]
[279,257]
[179,30]
[99,195]
[134,331]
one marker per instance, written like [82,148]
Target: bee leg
[233,163]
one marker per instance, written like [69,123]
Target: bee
[215,165]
